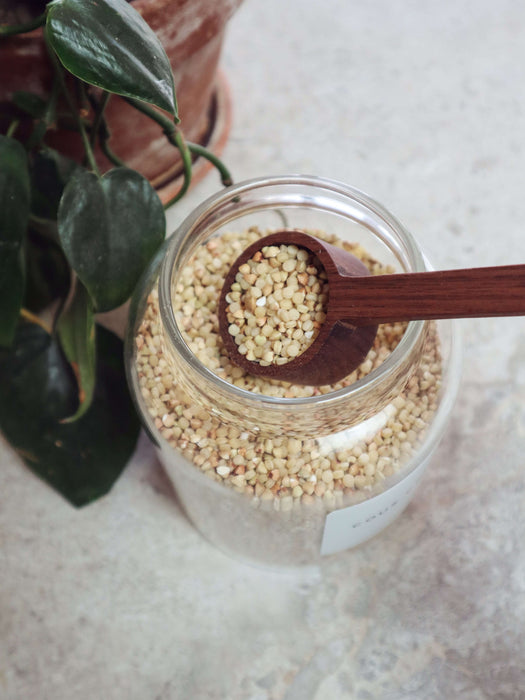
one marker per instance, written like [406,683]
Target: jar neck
[315,415]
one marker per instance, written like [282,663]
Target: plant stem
[171,131]
[99,117]
[44,227]
[106,150]
[10,30]
[47,120]
[83,132]
[165,122]
[199,150]
[12,127]
[74,111]
[177,139]
[50,112]
[100,130]
[29,316]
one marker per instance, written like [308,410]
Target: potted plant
[74,240]
[191,32]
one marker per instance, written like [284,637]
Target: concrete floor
[422,105]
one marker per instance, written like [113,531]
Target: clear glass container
[283,480]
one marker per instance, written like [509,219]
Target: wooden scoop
[358,301]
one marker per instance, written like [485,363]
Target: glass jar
[283,480]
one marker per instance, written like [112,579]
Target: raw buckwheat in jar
[275,473]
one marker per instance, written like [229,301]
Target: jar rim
[202,215]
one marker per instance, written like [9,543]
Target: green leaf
[14,191]
[110,227]
[12,285]
[76,330]
[14,213]
[108,44]
[47,271]
[83,459]
[29,102]
[50,172]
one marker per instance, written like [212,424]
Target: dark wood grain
[339,348]
[358,301]
[468,293]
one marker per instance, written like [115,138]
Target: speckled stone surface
[422,105]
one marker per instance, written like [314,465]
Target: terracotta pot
[192,32]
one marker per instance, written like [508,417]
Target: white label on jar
[348,527]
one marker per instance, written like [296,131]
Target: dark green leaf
[110,227]
[37,135]
[14,191]
[11,292]
[108,44]
[14,212]
[47,271]
[76,330]
[32,104]
[83,459]
[50,172]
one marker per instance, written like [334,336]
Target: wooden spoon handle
[470,293]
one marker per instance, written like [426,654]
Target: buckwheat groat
[277,304]
[280,471]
